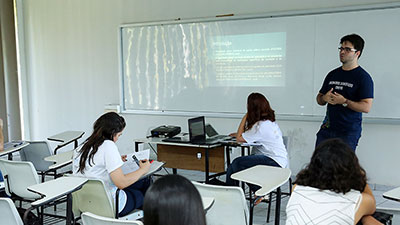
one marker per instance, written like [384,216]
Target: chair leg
[251,207]
[270,199]
[55,177]
[278,206]
[269,206]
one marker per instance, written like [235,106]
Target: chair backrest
[8,213]
[92,219]
[95,198]
[229,206]
[18,176]
[35,152]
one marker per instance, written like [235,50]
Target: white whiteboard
[211,67]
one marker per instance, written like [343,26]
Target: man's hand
[337,98]
[327,97]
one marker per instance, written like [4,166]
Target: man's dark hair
[333,166]
[356,40]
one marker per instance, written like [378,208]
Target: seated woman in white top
[258,127]
[332,189]
[99,158]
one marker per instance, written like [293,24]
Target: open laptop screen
[210,131]
[196,129]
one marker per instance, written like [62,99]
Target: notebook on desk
[197,133]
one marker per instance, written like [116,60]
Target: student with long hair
[99,158]
[258,127]
[173,200]
[332,189]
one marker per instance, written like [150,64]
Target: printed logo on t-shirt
[340,84]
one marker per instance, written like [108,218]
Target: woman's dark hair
[105,128]
[334,166]
[173,200]
[258,108]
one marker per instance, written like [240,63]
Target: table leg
[137,146]
[278,206]
[228,155]
[10,156]
[207,166]
[251,207]
[69,209]
[174,171]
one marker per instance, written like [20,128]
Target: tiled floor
[260,210]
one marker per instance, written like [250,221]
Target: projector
[165,131]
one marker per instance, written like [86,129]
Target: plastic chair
[229,206]
[17,177]
[92,219]
[35,152]
[95,198]
[8,213]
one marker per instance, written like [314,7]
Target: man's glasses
[347,49]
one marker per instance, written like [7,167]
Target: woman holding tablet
[99,158]
[258,128]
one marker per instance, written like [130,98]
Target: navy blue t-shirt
[355,84]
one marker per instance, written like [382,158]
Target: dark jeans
[245,162]
[351,138]
[135,195]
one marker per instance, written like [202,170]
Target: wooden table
[207,158]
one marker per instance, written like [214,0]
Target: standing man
[349,91]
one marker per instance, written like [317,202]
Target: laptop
[212,133]
[197,133]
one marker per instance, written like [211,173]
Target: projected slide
[248,60]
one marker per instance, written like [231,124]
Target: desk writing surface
[60,159]
[393,194]
[56,188]
[207,202]
[66,136]
[156,140]
[268,177]
[13,147]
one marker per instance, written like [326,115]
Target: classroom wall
[73,71]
